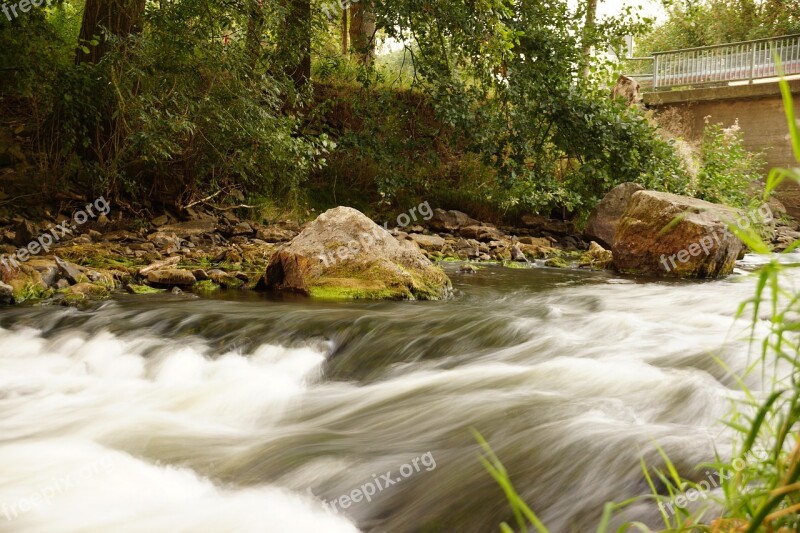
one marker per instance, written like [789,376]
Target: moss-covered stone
[379,282]
[205,286]
[84,292]
[344,255]
[556,262]
[26,282]
[142,289]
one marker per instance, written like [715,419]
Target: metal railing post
[655,72]
[753,46]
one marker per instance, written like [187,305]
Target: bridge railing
[744,61]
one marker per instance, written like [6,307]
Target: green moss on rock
[556,262]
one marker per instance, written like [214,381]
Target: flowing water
[245,413]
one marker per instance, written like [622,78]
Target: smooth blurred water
[242,413]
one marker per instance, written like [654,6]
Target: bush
[729,173]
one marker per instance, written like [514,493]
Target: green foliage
[694,23]
[729,172]
[500,80]
[181,110]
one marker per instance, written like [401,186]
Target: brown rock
[25,233]
[665,234]
[450,220]
[596,257]
[481,233]
[171,277]
[193,227]
[536,241]
[242,228]
[540,223]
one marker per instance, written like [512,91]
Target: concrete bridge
[727,83]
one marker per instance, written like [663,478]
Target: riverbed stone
[6,293]
[24,234]
[429,243]
[26,282]
[343,254]
[273,234]
[184,230]
[596,257]
[481,233]
[668,235]
[171,277]
[450,220]
[603,221]
[70,272]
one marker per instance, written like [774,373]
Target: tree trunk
[362,30]
[255,26]
[295,46]
[588,35]
[345,40]
[103,19]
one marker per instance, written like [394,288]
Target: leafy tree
[693,23]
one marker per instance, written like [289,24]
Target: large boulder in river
[602,223]
[343,254]
[665,234]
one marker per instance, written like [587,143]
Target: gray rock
[6,293]
[603,222]
[70,272]
[273,234]
[517,255]
[344,254]
[430,243]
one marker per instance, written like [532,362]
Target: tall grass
[763,492]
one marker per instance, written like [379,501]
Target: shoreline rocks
[358,259]
[667,235]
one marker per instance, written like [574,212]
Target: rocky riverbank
[342,256]
[209,253]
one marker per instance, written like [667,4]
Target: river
[243,413]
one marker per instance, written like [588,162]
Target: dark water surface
[243,413]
